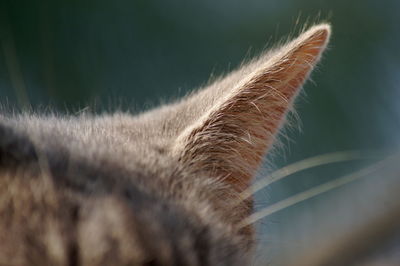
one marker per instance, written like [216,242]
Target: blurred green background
[71,54]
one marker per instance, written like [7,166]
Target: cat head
[159,188]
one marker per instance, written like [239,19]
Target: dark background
[130,54]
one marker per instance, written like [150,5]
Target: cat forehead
[117,147]
[87,133]
[130,204]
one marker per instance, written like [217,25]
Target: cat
[158,188]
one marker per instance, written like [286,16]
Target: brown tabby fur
[159,188]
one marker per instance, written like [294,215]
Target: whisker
[17,80]
[13,65]
[315,191]
[308,163]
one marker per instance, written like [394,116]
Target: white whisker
[308,163]
[315,191]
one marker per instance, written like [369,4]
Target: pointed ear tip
[320,31]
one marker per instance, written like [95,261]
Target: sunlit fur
[158,188]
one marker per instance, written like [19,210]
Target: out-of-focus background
[70,54]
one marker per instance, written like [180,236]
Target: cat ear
[246,109]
